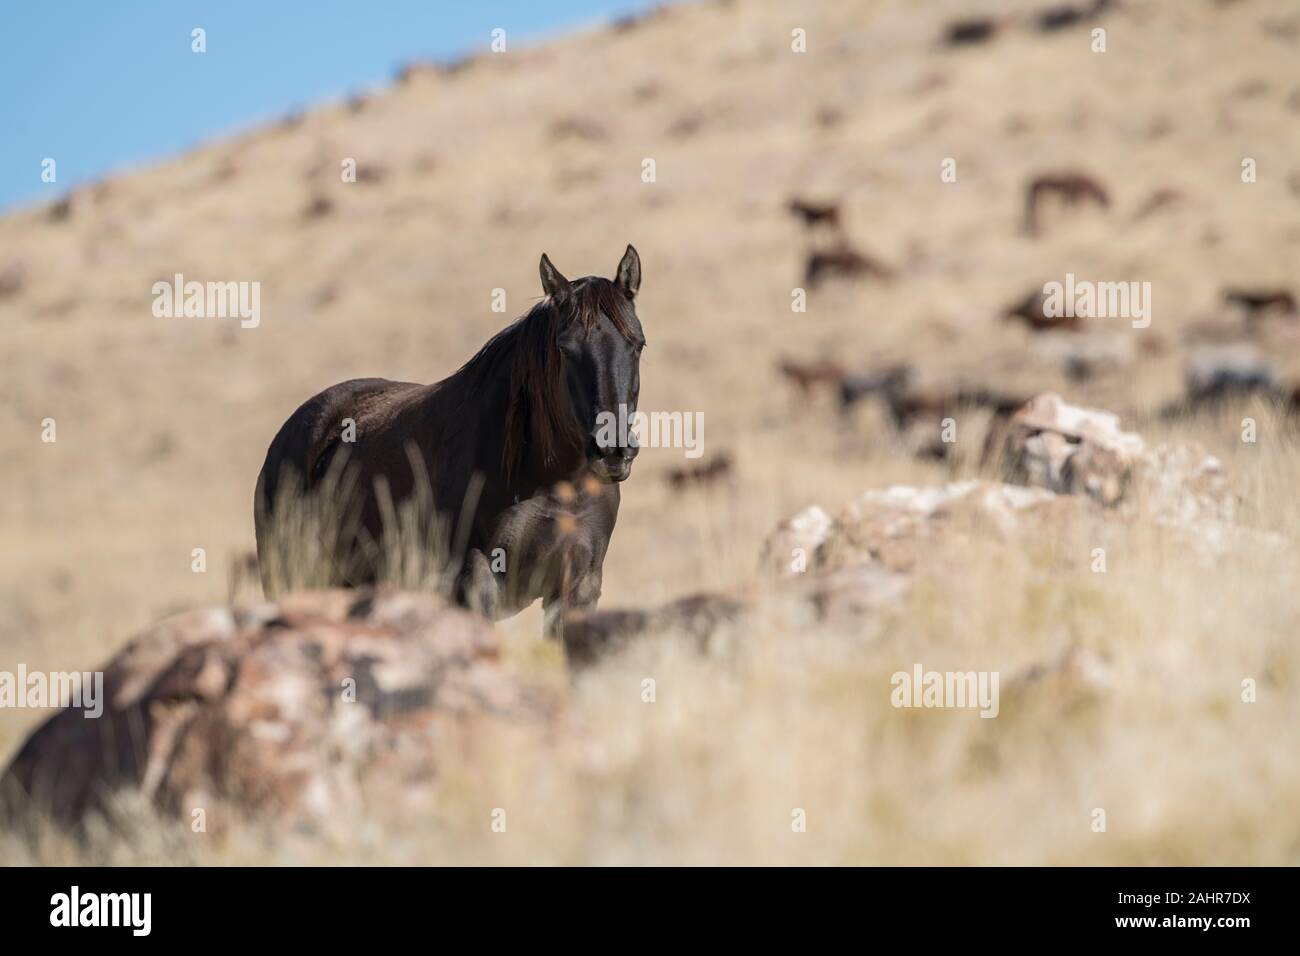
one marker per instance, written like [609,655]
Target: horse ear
[628,277]
[553,284]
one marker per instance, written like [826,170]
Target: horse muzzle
[615,467]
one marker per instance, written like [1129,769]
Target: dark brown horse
[1072,186]
[513,452]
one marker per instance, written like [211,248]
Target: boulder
[298,710]
[798,536]
[1070,449]
[1181,484]
[903,525]
[1074,450]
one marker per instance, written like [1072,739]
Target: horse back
[301,451]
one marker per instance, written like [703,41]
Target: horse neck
[531,471]
[486,396]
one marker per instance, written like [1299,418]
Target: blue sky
[101,84]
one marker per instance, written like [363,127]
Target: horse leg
[477,586]
[578,589]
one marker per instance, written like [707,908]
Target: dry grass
[163,423]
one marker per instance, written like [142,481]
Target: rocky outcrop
[903,526]
[1070,449]
[796,540]
[298,710]
[1075,480]
[844,572]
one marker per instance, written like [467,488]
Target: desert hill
[467,173]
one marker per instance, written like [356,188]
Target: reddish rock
[1070,449]
[1074,450]
[294,710]
[792,547]
[904,526]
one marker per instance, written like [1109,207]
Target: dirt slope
[468,175]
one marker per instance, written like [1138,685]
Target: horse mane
[528,353]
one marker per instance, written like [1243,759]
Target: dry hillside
[467,175]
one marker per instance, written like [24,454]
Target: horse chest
[548,544]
